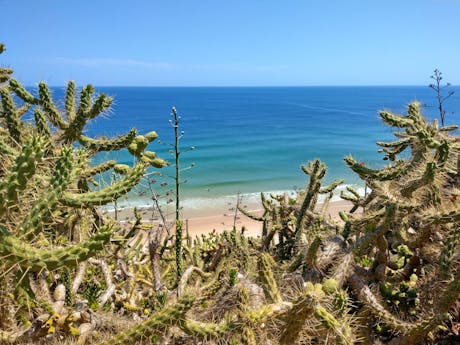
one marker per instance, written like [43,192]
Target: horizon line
[248,86]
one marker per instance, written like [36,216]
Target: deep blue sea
[254,139]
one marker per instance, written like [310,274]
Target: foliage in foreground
[386,273]
[50,224]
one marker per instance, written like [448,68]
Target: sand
[203,222]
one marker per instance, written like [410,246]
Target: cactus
[412,201]
[158,323]
[302,309]
[86,111]
[202,330]
[18,253]
[269,285]
[42,126]
[398,254]
[108,194]
[16,180]
[447,255]
[408,195]
[10,114]
[48,215]
[316,170]
[39,213]
[388,173]
[343,332]
[419,331]
[293,219]
[99,145]
[49,107]
[366,296]
[248,337]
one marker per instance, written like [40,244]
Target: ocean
[247,140]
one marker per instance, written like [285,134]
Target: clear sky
[231,43]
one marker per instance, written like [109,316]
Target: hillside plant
[50,222]
[386,272]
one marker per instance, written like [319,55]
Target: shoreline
[219,219]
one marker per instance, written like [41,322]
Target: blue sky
[231,43]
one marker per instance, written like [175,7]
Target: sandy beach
[205,221]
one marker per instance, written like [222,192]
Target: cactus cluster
[290,224]
[386,272]
[369,278]
[400,247]
[49,199]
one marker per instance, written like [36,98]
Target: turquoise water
[253,139]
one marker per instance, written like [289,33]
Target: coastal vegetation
[385,273]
